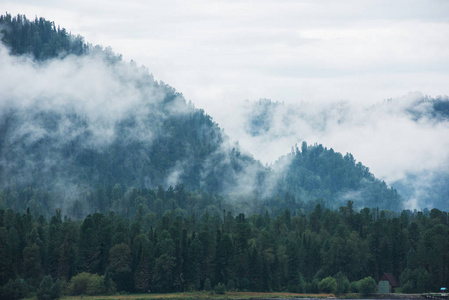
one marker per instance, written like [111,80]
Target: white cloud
[219,53]
[384,136]
[102,93]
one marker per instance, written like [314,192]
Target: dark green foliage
[180,252]
[317,172]
[171,141]
[142,257]
[162,140]
[343,284]
[416,280]
[120,266]
[49,289]
[44,288]
[15,289]
[207,285]
[293,268]
[231,285]
[127,232]
[224,259]
[328,285]
[367,286]
[86,284]
[194,261]
[32,262]
[109,285]
[99,176]
[220,289]
[40,38]
[165,262]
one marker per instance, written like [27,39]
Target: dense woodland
[316,172]
[147,148]
[315,175]
[324,251]
[187,209]
[51,158]
[40,37]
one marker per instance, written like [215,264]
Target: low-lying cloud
[76,122]
[386,136]
[102,93]
[57,116]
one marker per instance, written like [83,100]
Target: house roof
[390,278]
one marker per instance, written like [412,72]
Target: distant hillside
[129,130]
[414,160]
[433,108]
[85,121]
[316,172]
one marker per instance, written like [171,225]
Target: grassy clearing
[201,295]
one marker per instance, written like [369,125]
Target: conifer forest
[112,182]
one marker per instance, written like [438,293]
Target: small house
[387,283]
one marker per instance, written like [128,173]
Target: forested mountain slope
[76,119]
[94,120]
[404,139]
[316,172]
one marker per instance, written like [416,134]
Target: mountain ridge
[101,122]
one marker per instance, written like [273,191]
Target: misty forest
[110,181]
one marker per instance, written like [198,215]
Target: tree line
[316,172]
[159,146]
[40,37]
[325,250]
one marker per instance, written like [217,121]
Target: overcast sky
[220,53]
[225,51]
